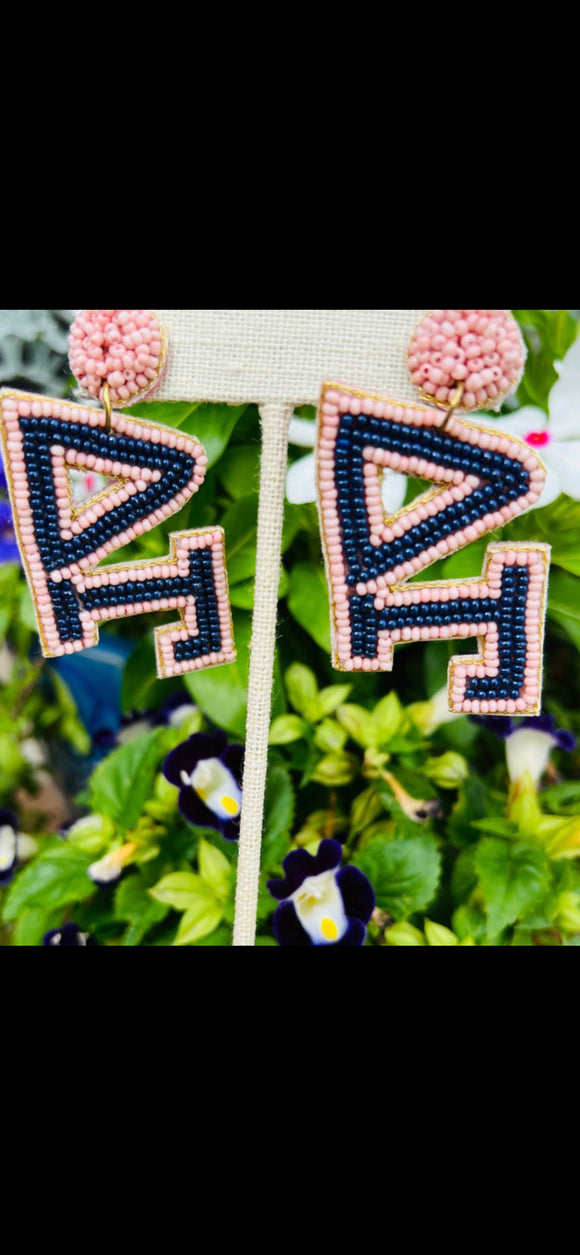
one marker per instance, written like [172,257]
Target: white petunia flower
[557,441]
[301,481]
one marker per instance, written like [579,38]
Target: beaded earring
[135,474]
[460,360]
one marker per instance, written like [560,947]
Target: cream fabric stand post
[278,359]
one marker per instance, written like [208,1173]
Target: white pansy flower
[301,480]
[319,906]
[217,787]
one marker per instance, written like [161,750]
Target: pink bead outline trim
[130,480]
[393,589]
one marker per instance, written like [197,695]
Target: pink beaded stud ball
[126,348]
[468,358]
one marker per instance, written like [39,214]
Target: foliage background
[456,853]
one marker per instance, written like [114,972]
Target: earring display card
[282,356]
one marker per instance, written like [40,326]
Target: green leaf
[70,727]
[134,906]
[387,718]
[404,874]
[32,926]
[301,687]
[213,426]
[472,804]
[308,602]
[239,469]
[327,701]
[240,524]
[215,870]
[448,771]
[437,935]
[222,692]
[466,564]
[464,876]
[26,613]
[359,724]
[121,784]
[141,689]
[280,809]
[56,877]
[330,737]
[469,922]
[335,770]
[366,809]
[497,827]
[168,413]
[201,921]
[513,878]
[223,937]
[564,602]
[562,799]
[182,891]
[404,935]
[287,729]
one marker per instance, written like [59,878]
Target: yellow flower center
[329,929]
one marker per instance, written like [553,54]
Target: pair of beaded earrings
[459,359]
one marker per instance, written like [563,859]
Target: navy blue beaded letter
[484,479]
[153,472]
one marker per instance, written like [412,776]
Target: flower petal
[302,433]
[230,829]
[357,892]
[195,812]
[233,759]
[300,865]
[297,866]
[187,755]
[565,396]
[288,930]
[528,752]
[520,424]
[552,488]
[355,935]
[68,935]
[301,481]
[394,491]
[564,460]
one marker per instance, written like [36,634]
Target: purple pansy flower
[68,935]
[172,714]
[208,773]
[321,904]
[175,710]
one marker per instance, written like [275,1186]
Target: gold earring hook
[454,405]
[107,404]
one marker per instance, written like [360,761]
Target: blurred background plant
[461,846]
